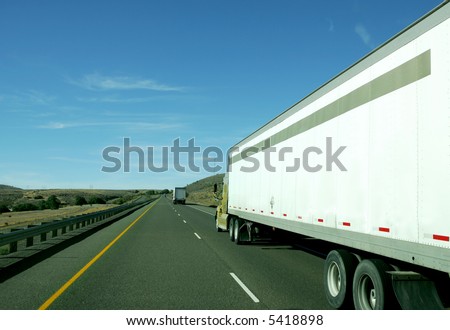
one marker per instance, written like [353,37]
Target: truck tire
[338,275]
[372,288]
[231,229]
[237,231]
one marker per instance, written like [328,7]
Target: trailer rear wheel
[231,229]
[237,232]
[371,286]
[340,267]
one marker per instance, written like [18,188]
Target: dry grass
[11,196]
[68,195]
[21,219]
[201,192]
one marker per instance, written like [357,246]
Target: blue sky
[78,77]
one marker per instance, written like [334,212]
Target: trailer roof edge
[406,35]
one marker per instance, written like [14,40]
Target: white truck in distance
[387,208]
[179,195]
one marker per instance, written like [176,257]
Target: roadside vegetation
[19,207]
[201,191]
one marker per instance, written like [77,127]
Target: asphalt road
[170,257]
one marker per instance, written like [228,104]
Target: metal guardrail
[28,234]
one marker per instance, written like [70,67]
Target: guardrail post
[55,231]
[1,246]
[44,235]
[65,225]
[30,240]
[13,245]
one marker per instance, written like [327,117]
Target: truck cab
[222,208]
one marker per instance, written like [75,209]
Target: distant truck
[362,163]
[179,195]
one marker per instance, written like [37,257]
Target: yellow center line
[89,264]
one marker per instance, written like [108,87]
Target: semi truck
[179,195]
[361,164]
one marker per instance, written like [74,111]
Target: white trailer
[363,162]
[179,195]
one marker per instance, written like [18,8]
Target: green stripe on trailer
[407,73]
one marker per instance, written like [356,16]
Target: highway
[166,256]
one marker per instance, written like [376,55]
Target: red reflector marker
[320,220]
[441,238]
[384,229]
[347,224]
[271,212]
[284,215]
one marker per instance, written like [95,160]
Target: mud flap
[246,232]
[414,291]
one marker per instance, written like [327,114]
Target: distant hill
[6,187]
[201,191]
[9,194]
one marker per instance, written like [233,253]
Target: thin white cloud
[37,97]
[98,82]
[136,125]
[53,125]
[27,98]
[115,99]
[365,36]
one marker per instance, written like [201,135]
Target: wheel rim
[334,279]
[367,293]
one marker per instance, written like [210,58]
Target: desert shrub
[80,200]
[25,207]
[118,201]
[42,205]
[96,200]
[53,202]
[4,209]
